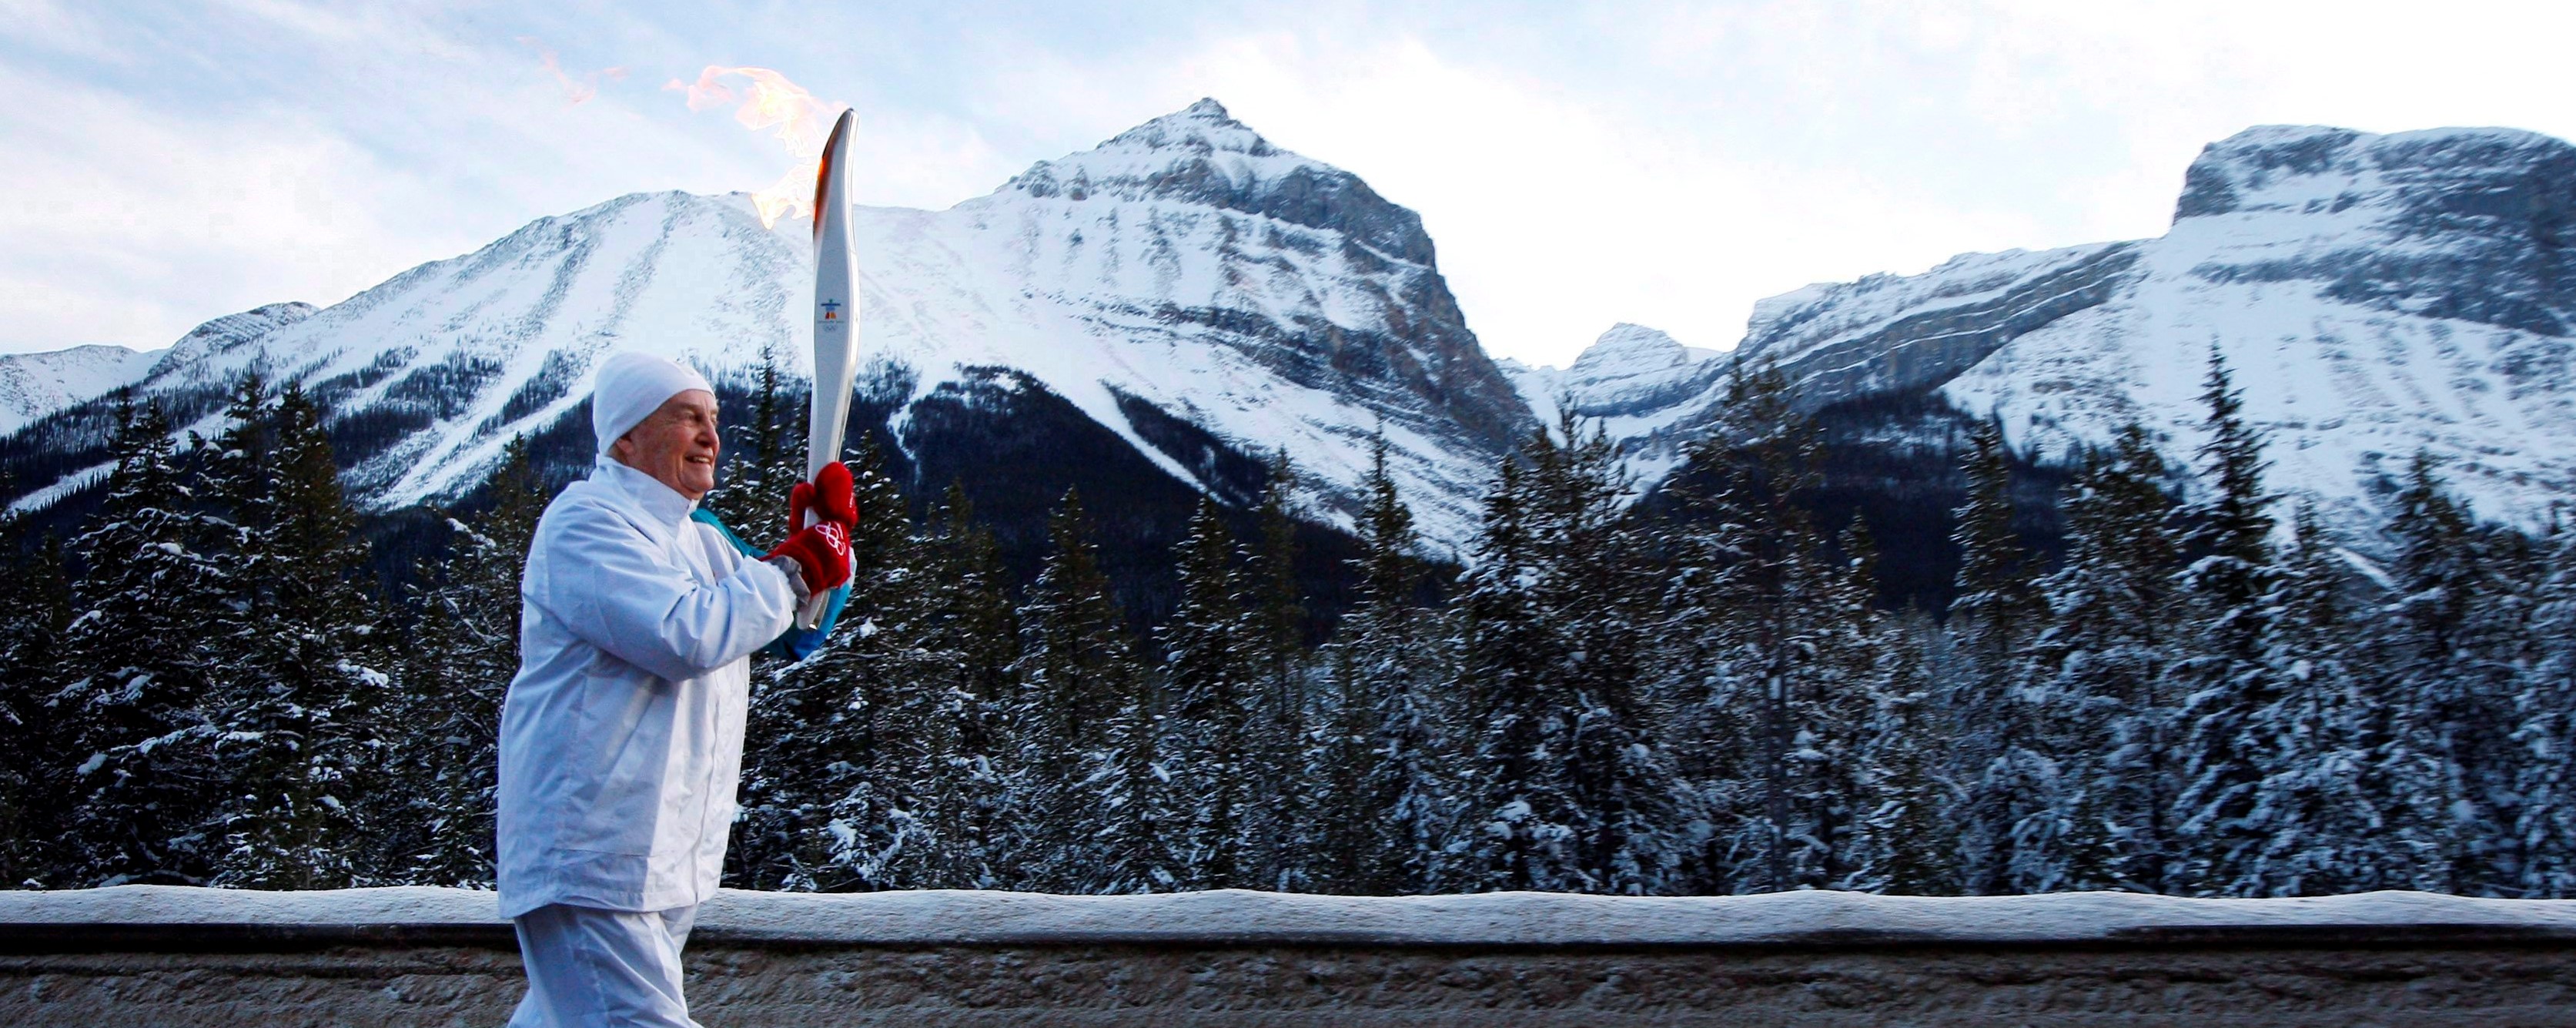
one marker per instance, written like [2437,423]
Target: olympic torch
[836,320]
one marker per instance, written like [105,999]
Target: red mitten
[798,500]
[822,552]
[832,496]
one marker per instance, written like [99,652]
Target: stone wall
[2501,968]
[1029,986]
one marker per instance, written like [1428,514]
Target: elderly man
[621,741]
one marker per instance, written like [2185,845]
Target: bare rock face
[2465,224]
[1891,334]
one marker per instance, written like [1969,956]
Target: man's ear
[623,448]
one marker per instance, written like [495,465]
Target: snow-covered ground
[1238,916]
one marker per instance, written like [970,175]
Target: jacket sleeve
[612,587]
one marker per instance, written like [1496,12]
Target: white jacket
[621,739]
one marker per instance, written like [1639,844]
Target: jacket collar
[659,503]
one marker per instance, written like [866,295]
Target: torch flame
[577,91]
[770,101]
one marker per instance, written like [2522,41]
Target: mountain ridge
[1184,272]
[1192,289]
[2374,295]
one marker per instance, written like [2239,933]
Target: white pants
[603,968]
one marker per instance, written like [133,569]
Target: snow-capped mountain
[1186,285]
[2373,295]
[1634,382]
[36,384]
[1196,297]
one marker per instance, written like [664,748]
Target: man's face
[677,444]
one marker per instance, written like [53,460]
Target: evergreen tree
[1385,818]
[1281,750]
[1213,668]
[1879,762]
[2318,810]
[2445,752]
[1774,635]
[35,604]
[1139,815]
[749,498]
[2229,537]
[437,824]
[2544,736]
[2094,689]
[1503,649]
[290,713]
[1994,614]
[978,619]
[845,748]
[1570,791]
[1904,840]
[1081,730]
[1996,600]
[1600,603]
[134,667]
[2228,587]
[969,622]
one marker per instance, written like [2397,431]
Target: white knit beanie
[630,387]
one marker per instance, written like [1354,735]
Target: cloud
[129,224]
[1555,215]
[132,218]
[1578,164]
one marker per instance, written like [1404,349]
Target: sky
[1577,165]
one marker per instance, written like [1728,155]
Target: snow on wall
[1234,916]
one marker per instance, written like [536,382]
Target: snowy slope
[2375,295]
[1893,333]
[1185,266]
[36,384]
[59,445]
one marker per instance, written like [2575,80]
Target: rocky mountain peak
[1185,293]
[1201,155]
[1628,349]
[2465,223]
[2255,159]
[224,334]
[2316,168]
[1203,127]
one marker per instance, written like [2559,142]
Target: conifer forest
[2206,693]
